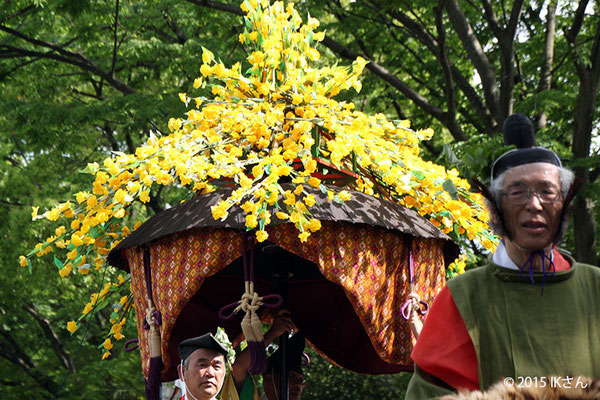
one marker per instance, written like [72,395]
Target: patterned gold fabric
[369,263]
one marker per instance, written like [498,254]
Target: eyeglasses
[521,195]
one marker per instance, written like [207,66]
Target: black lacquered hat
[206,341]
[518,131]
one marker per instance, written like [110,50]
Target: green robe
[519,332]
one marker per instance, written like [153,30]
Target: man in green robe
[532,312]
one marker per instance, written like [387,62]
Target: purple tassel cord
[153,381]
[258,360]
[258,363]
[529,265]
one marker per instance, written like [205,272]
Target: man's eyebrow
[207,359]
[516,183]
[542,182]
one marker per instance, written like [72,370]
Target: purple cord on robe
[529,264]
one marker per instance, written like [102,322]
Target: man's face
[204,373]
[532,225]
[296,385]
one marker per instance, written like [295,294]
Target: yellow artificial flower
[282,215]
[107,344]
[309,200]
[304,236]
[88,307]
[313,225]
[344,195]
[207,56]
[251,221]
[23,261]
[66,270]
[312,181]
[145,196]
[261,236]
[71,326]
[72,254]
[76,240]
[53,214]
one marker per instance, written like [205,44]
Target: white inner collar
[502,259]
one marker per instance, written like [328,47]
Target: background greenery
[79,79]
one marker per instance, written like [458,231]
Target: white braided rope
[250,303]
[154,332]
[415,322]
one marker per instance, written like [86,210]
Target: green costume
[518,331]
[229,391]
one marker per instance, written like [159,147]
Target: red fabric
[560,263]
[451,356]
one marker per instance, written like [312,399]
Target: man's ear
[493,211]
[180,370]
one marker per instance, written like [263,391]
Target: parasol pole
[281,275]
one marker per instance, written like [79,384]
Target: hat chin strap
[184,388]
[524,250]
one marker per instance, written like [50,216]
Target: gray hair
[565,179]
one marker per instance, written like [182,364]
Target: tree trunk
[589,81]
[546,74]
[583,215]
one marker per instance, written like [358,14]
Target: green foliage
[325,381]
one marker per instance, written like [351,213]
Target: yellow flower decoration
[107,344]
[72,326]
[23,261]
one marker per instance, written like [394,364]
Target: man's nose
[211,371]
[534,201]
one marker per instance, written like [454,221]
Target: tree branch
[490,17]
[444,62]
[218,6]
[573,32]
[181,38]
[18,13]
[11,351]
[115,40]
[52,337]
[477,56]
[60,54]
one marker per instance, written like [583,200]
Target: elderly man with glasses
[532,312]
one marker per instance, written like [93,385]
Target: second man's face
[532,225]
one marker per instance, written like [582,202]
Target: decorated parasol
[346,283]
